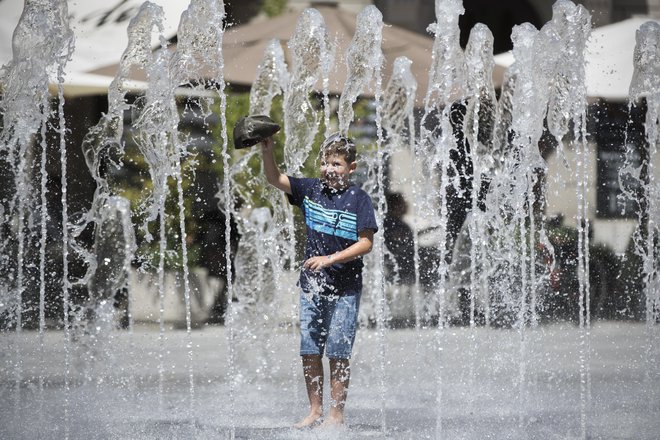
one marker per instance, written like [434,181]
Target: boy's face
[335,171]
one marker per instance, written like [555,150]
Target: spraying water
[312,54]
[446,84]
[271,79]
[399,127]
[566,107]
[42,44]
[260,258]
[363,58]
[108,263]
[198,60]
[478,128]
[646,84]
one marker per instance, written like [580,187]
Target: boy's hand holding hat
[250,130]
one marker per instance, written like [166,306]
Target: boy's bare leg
[340,374]
[313,373]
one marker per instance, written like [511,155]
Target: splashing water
[399,126]
[481,113]
[447,82]
[260,260]
[479,121]
[482,104]
[197,61]
[271,79]
[103,145]
[447,74]
[312,55]
[646,84]
[363,57]
[566,37]
[114,246]
[95,320]
[399,102]
[42,43]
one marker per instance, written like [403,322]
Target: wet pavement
[554,382]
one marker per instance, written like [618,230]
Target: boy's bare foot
[332,422]
[312,419]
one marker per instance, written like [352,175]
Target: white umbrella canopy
[100,38]
[609,58]
[244,47]
[86,84]
[78,84]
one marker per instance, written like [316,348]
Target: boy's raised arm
[272,172]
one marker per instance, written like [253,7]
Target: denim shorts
[328,323]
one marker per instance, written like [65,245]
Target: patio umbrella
[86,84]
[77,84]
[100,31]
[243,47]
[609,58]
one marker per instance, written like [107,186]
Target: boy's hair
[339,144]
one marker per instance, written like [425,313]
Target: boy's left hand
[317,263]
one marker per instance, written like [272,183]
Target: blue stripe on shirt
[330,221]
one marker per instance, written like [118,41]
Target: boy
[340,225]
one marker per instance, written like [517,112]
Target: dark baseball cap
[250,130]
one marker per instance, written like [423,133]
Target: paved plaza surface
[554,382]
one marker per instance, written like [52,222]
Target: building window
[619,134]
[610,202]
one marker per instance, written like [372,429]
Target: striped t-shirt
[333,219]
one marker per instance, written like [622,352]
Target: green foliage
[133,181]
[206,162]
[250,179]
[273,8]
